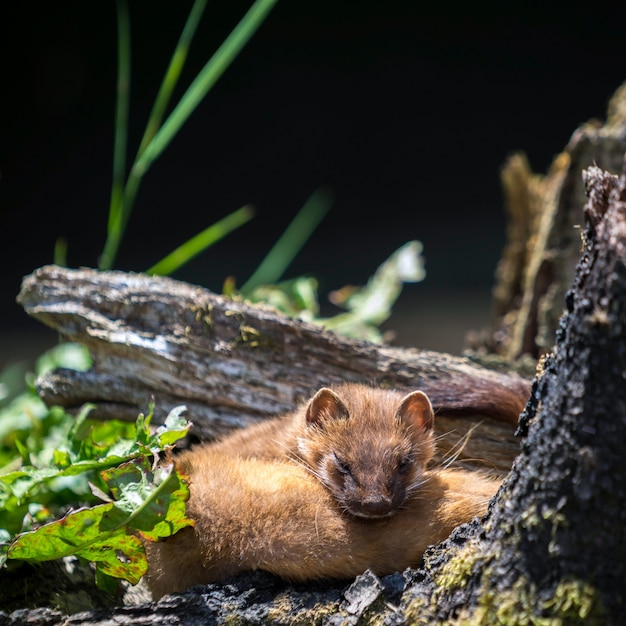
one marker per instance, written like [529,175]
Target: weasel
[339,486]
[368,446]
[274,515]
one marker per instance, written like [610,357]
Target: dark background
[405,111]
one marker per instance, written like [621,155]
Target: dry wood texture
[545,223]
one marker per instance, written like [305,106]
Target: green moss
[418,612]
[530,517]
[254,338]
[204,314]
[573,602]
[250,336]
[456,572]
[284,613]
[575,599]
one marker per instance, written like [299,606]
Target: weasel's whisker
[457,449]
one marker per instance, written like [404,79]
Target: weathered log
[232,363]
[543,235]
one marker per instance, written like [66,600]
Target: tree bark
[554,543]
[543,237]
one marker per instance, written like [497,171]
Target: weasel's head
[368,446]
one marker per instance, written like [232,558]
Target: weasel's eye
[342,466]
[404,465]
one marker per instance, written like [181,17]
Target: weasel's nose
[375,507]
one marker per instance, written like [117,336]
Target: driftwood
[232,363]
[551,549]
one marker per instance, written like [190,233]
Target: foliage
[120,472]
[160,132]
[366,307]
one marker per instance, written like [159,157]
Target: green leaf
[296,297]
[191,248]
[80,534]
[155,141]
[69,355]
[12,511]
[174,428]
[121,556]
[107,583]
[291,241]
[73,533]
[370,306]
[173,73]
[149,500]
[62,458]
[152,501]
[203,83]
[117,210]
[3,550]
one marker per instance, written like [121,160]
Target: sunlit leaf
[175,427]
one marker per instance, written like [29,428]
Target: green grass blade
[201,241]
[123,200]
[121,128]
[172,74]
[291,241]
[125,196]
[203,83]
[60,252]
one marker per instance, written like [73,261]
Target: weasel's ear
[417,411]
[325,405]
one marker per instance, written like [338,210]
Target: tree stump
[543,235]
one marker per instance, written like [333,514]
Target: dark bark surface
[554,543]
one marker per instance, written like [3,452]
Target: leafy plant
[366,307]
[160,132]
[120,472]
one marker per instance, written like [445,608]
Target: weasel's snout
[373,507]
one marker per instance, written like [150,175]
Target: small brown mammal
[274,515]
[368,446]
[338,486]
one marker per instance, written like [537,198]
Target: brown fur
[274,496]
[271,515]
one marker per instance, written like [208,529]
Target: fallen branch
[232,363]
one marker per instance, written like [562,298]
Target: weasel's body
[274,515]
[337,487]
